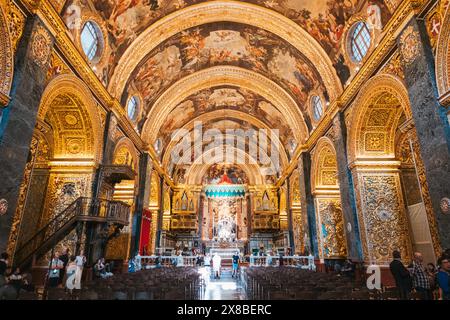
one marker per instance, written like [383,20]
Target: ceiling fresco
[227,98]
[224,44]
[325,20]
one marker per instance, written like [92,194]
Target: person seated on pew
[101,269]
[348,269]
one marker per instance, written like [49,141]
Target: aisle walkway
[225,288]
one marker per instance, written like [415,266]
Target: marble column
[20,116]
[346,190]
[429,117]
[304,170]
[142,200]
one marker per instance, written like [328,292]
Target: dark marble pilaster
[289,215]
[429,117]
[19,117]
[307,200]
[160,212]
[346,189]
[142,199]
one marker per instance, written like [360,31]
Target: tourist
[16,280]
[208,263]
[420,278]
[217,262]
[64,257]
[235,264]
[71,271]
[101,269]
[443,278]
[432,274]
[55,267]
[180,260]
[401,275]
[3,267]
[80,260]
[348,269]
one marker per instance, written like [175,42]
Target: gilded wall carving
[420,170]
[57,67]
[64,189]
[443,58]
[6,57]
[384,219]
[16,20]
[15,227]
[394,67]
[330,226]
[117,248]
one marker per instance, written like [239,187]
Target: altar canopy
[225,190]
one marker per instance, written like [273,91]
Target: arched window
[132,108]
[90,40]
[360,41]
[317,108]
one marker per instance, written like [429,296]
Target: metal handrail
[81,208]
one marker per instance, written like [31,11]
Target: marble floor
[225,288]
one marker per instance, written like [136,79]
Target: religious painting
[225,174]
[231,44]
[325,20]
[228,98]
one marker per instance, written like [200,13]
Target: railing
[143,262]
[82,209]
[303,262]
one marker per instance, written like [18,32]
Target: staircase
[81,210]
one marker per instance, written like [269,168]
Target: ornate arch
[197,170]
[224,75]
[324,166]
[71,87]
[219,11]
[377,110]
[443,59]
[126,144]
[6,59]
[217,115]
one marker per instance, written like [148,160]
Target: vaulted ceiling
[240,65]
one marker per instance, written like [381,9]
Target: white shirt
[217,260]
[80,260]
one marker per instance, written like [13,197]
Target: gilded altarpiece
[381,217]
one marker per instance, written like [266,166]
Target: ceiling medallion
[409,45]
[3,207]
[445,205]
[74,146]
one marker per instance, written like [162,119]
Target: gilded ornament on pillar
[41,46]
[445,205]
[3,207]
[409,45]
